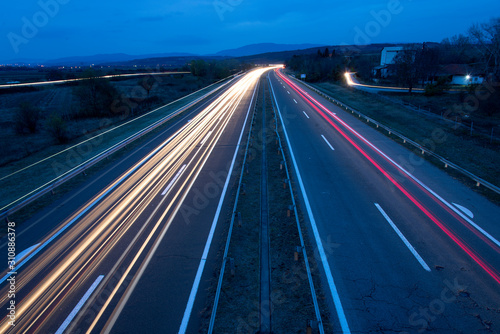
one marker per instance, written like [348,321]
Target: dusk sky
[49,29]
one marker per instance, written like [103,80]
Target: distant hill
[173,62]
[254,49]
[262,58]
[109,58]
[255,53]
[280,57]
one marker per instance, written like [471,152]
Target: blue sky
[47,29]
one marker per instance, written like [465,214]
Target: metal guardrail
[52,185]
[479,181]
[297,221]
[234,215]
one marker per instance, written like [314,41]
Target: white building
[386,59]
[461,74]
[388,55]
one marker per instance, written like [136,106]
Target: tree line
[416,64]
[217,69]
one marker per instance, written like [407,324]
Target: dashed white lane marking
[331,147]
[407,243]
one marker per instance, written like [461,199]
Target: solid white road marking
[201,266]
[78,306]
[92,204]
[306,114]
[407,243]
[321,250]
[173,180]
[432,192]
[464,210]
[328,142]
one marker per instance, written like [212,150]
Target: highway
[405,248]
[127,253]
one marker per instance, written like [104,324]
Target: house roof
[458,69]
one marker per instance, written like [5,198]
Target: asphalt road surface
[127,252]
[405,247]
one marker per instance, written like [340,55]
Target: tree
[326,54]
[199,68]
[486,37]
[26,118]
[406,69]
[456,50]
[427,63]
[96,95]
[147,83]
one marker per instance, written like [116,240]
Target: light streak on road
[354,83]
[323,111]
[73,257]
[56,82]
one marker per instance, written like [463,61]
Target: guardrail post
[240,220]
[289,211]
[285,181]
[298,250]
[310,325]
[282,163]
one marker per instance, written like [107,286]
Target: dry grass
[28,150]
[472,153]
[292,305]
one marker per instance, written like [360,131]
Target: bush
[437,88]
[26,118]
[57,129]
